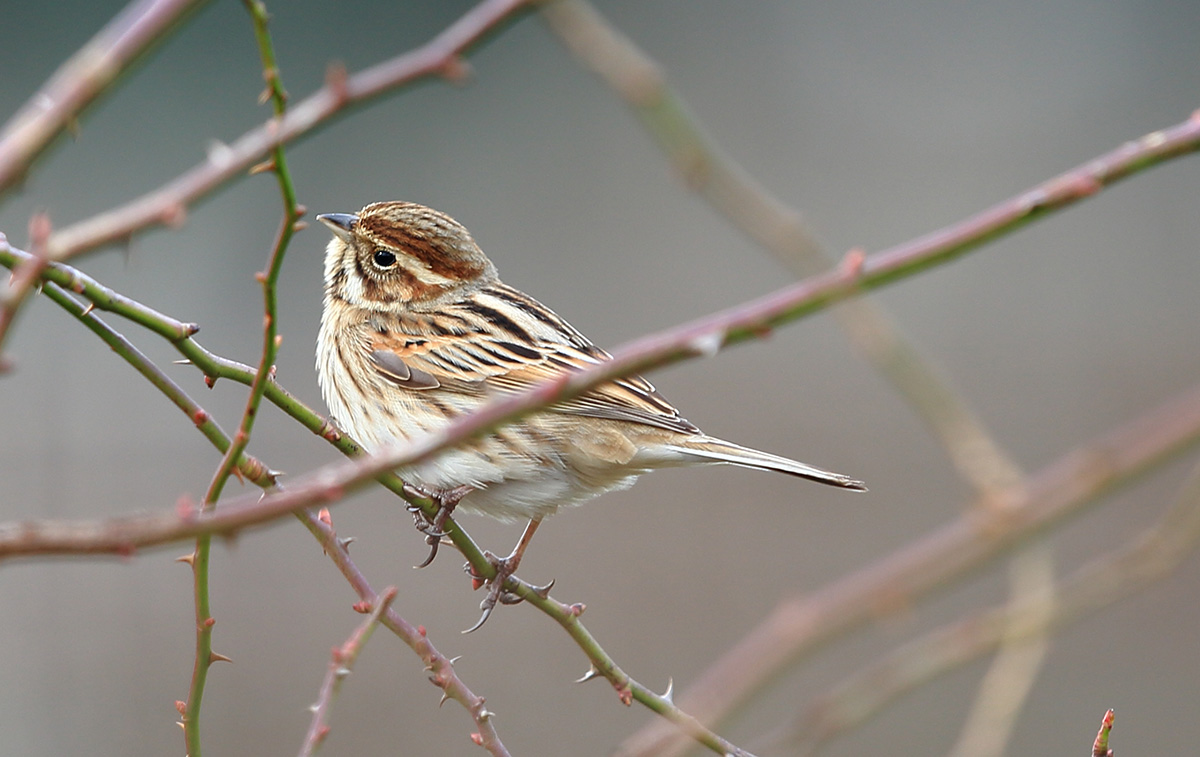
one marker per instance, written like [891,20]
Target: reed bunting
[418,330]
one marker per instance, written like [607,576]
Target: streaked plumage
[418,329]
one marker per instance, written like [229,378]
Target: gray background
[881,121]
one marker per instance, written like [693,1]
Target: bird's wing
[490,347]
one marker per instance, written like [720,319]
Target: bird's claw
[433,528]
[505,567]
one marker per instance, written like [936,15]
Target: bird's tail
[721,451]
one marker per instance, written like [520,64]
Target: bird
[418,330]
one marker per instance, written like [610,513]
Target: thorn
[669,694]
[210,381]
[185,507]
[453,660]
[852,263]
[456,70]
[263,167]
[174,216]
[218,657]
[39,230]
[300,226]
[191,328]
[314,707]
[189,558]
[591,673]
[345,543]
[335,79]
[341,673]
[90,307]
[707,345]
[184,361]
[444,699]
[180,724]
[487,611]
[625,694]
[543,591]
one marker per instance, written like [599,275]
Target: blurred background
[880,121]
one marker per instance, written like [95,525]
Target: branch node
[336,81]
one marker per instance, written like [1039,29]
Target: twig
[800,624]
[766,219]
[699,338]
[83,78]
[261,475]
[57,105]
[266,367]
[23,278]
[214,367]
[441,668]
[168,204]
[565,615]
[1150,556]
[249,467]
[341,662]
[602,665]
[1100,745]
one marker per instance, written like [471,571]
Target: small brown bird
[418,330]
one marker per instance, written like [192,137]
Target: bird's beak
[339,223]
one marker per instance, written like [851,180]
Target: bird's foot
[434,528]
[504,567]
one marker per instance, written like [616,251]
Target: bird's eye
[384,258]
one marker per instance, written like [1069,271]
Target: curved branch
[167,205]
[83,78]
[703,337]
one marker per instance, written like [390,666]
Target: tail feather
[721,451]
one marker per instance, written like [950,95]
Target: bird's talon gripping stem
[434,529]
[505,567]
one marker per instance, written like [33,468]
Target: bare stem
[702,337]
[168,204]
[1118,573]
[82,78]
[799,625]
[341,663]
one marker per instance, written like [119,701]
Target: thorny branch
[58,105]
[730,190]
[1116,574]
[715,333]
[702,337]
[167,205]
[199,559]
[341,663]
